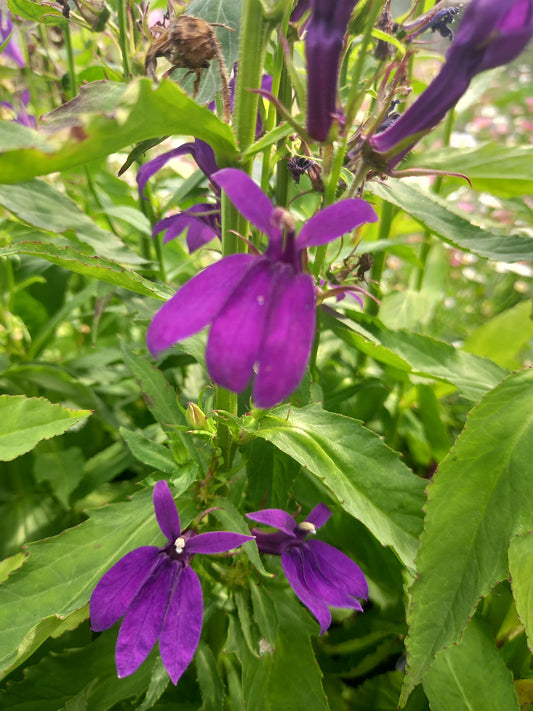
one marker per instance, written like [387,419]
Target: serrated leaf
[94,267]
[471,675]
[209,680]
[471,374]
[43,13]
[480,498]
[61,572]
[148,452]
[104,118]
[521,569]
[368,479]
[26,421]
[450,225]
[41,205]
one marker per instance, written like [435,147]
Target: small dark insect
[299,165]
[364,264]
[390,117]
[441,21]
[189,43]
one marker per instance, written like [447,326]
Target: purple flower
[158,593]
[201,221]
[319,574]
[261,307]
[323,46]
[492,33]
[10,50]
[19,109]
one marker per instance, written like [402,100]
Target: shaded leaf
[521,568]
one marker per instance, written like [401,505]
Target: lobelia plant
[234,382]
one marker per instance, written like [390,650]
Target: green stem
[123,37]
[385,222]
[356,95]
[426,244]
[70,59]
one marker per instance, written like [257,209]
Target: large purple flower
[261,307]
[158,593]
[202,221]
[319,574]
[492,33]
[323,46]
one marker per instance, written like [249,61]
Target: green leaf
[471,675]
[41,205]
[480,498]
[521,569]
[26,421]
[232,520]
[148,452]
[103,119]
[494,168]
[94,267]
[452,226]
[421,355]
[502,337]
[60,573]
[368,479]
[209,680]
[43,13]
[63,470]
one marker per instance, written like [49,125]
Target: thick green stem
[385,222]
[123,37]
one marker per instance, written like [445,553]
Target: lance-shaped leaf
[26,421]
[481,497]
[369,479]
[452,226]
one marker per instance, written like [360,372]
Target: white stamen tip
[308,527]
[179,544]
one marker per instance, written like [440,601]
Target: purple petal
[196,303]
[248,198]
[216,542]
[319,515]
[165,511]
[292,563]
[273,543]
[10,50]
[205,157]
[201,228]
[238,329]
[288,339]
[142,623]
[182,626]
[148,169]
[328,589]
[276,518]
[117,588]
[334,221]
[339,569]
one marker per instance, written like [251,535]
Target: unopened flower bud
[196,418]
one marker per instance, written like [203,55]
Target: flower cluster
[160,596]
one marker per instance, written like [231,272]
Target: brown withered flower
[190,43]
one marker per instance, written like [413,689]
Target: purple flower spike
[492,33]
[323,46]
[261,307]
[158,593]
[320,575]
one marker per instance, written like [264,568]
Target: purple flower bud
[323,46]
[158,593]
[320,575]
[492,33]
